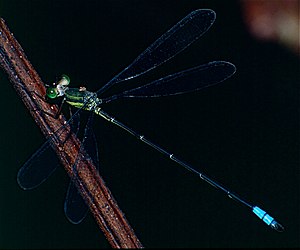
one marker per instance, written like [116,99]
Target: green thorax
[81,98]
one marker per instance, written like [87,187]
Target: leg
[59,110]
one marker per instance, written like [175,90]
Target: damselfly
[180,36]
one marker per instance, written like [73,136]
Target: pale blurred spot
[274,20]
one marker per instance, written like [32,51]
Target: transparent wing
[35,171]
[182,82]
[38,167]
[42,163]
[180,36]
[75,207]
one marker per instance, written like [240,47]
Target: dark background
[243,133]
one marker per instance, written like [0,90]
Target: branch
[29,86]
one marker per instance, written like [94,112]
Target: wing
[180,36]
[182,82]
[185,32]
[42,163]
[38,167]
[75,207]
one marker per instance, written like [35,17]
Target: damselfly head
[58,88]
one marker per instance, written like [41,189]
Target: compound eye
[51,93]
[64,76]
[65,80]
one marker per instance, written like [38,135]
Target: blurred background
[243,132]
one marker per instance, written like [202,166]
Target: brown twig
[30,87]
